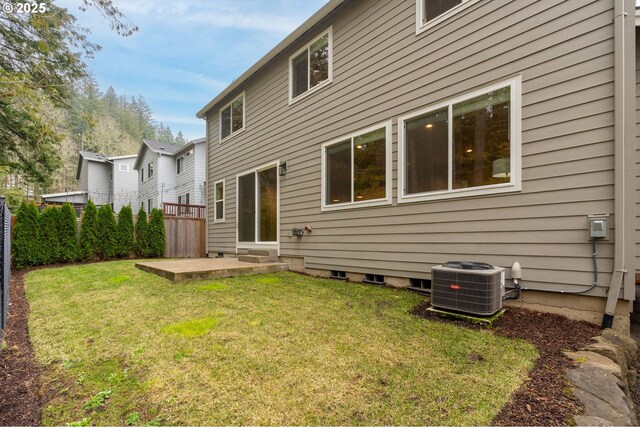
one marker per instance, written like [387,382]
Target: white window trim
[123,167]
[420,27]
[388,165]
[182,168]
[244,118]
[298,52]
[215,201]
[516,149]
[256,244]
[150,170]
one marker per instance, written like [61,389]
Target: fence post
[5,262]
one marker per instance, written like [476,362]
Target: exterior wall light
[282,169]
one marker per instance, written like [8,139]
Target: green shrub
[125,232]
[50,239]
[106,233]
[68,232]
[142,240]
[88,238]
[26,246]
[157,238]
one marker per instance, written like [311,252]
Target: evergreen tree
[68,232]
[106,233]
[125,232]
[88,230]
[142,240]
[180,139]
[157,238]
[25,246]
[50,240]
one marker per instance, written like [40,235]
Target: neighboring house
[108,180]
[416,132]
[169,173]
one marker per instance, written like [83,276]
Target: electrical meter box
[598,226]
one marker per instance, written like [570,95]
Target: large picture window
[467,146]
[232,118]
[357,169]
[311,67]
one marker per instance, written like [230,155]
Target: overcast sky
[187,51]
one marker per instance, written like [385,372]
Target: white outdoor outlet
[598,226]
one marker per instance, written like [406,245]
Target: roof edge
[301,30]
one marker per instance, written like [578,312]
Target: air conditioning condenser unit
[467,287]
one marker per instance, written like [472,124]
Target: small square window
[123,167]
[431,11]
[311,67]
[232,118]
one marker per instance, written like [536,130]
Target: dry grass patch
[269,349]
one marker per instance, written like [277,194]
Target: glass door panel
[268,203]
[247,208]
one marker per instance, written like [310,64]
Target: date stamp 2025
[26,7]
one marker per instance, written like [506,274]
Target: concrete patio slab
[206,268]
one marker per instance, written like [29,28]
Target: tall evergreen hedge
[125,232]
[26,246]
[68,233]
[142,239]
[88,229]
[106,233]
[50,239]
[157,238]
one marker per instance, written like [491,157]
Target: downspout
[619,271]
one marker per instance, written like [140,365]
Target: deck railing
[183,211]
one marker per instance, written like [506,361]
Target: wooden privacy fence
[185,237]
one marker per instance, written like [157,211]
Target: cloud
[183,120]
[220,14]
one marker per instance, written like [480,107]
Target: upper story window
[232,118]
[357,169]
[431,11]
[311,67]
[150,170]
[467,146]
[179,165]
[142,175]
[123,167]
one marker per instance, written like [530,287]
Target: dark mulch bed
[20,398]
[542,399]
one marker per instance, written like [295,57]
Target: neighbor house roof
[66,193]
[90,156]
[156,147]
[324,11]
[128,156]
[189,145]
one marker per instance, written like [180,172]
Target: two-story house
[169,173]
[408,133]
[107,180]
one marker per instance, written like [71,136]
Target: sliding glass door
[258,206]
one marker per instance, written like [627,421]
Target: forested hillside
[107,123]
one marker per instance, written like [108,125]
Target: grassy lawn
[127,347]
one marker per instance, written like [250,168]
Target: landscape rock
[590,359]
[583,420]
[600,393]
[610,350]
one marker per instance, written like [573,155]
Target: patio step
[259,256]
[256,259]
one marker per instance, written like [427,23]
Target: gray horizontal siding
[382,70]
